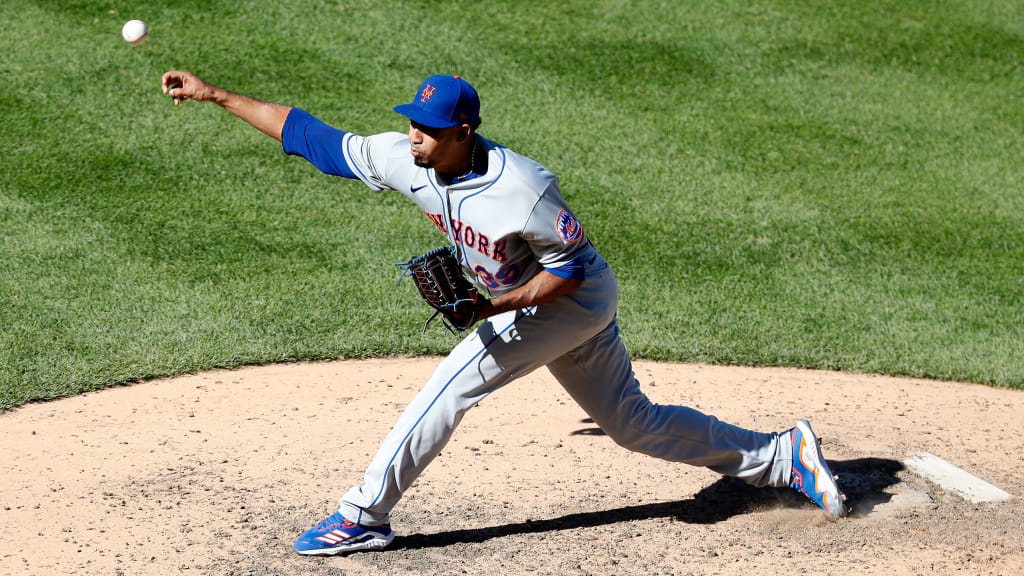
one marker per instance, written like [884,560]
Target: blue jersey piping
[498,177]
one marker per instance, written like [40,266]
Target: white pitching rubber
[967,485]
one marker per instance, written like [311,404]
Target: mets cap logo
[569,228]
[428,93]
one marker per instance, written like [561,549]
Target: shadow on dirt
[593,431]
[863,480]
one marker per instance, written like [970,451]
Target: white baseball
[135,31]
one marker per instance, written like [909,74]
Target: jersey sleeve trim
[572,270]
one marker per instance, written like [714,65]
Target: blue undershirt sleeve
[303,135]
[573,270]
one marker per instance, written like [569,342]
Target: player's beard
[420,160]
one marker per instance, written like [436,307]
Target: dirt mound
[217,473]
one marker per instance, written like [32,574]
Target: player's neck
[472,163]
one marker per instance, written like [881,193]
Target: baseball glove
[439,279]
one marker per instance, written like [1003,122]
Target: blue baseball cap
[443,102]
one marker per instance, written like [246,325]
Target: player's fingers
[177,91]
[169,78]
[175,80]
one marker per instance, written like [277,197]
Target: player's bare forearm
[266,117]
[541,289]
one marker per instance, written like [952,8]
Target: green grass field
[820,184]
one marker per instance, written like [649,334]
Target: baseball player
[552,302]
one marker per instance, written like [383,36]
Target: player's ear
[465,131]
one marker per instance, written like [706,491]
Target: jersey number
[506,276]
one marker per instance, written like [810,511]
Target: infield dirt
[217,473]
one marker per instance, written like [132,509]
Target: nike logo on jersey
[416,189]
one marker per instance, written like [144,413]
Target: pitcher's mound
[217,473]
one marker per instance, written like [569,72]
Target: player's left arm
[541,289]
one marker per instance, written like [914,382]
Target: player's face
[436,148]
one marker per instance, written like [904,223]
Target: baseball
[135,32]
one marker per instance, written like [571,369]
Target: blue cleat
[336,535]
[811,475]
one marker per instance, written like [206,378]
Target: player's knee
[631,426]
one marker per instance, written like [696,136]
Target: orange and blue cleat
[811,475]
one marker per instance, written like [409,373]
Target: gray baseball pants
[577,338]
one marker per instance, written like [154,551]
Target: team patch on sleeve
[569,228]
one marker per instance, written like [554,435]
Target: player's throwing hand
[186,86]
